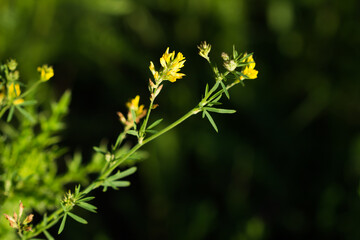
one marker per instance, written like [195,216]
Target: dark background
[285,166]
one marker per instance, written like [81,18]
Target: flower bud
[204,50]
[12,64]
[225,56]
[230,65]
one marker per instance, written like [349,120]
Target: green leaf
[220,110]
[245,56]
[11,113]
[77,190]
[123,174]
[225,90]
[133,114]
[211,120]
[120,183]
[132,132]
[119,139]
[206,90]
[77,218]
[116,184]
[155,123]
[28,103]
[151,131]
[87,206]
[99,150]
[216,99]
[62,225]
[25,113]
[86,199]
[214,103]
[235,53]
[48,236]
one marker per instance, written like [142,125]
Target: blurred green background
[285,166]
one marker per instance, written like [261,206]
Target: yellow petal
[14,90]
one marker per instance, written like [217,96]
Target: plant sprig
[137,123]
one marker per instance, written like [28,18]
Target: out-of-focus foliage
[287,164]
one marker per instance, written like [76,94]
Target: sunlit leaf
[62,225]
[155,123]
[87,206]
[220,110]
[77,218]
[211,120]
[25,113]
[48,236]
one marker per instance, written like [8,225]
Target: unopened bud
[28,219]
[12,64]
[225,56]
[204,50]
[230,65]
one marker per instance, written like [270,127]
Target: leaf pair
[113,182]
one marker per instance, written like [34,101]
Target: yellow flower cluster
[171,66]
[140,112]
[13,93]
[46,72]
[249,70]
[133,104]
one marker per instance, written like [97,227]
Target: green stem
[30,89]
[144,125]
[54,217]
[100,180]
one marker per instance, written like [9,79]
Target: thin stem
[54,217]
[97,183]
[143,127]
[30,89]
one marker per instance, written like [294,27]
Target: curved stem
[100,179]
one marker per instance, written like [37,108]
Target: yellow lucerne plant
[238,67]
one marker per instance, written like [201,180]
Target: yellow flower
[251,61]
[250,73]
[134,105]
[172,65]
[140,112]
[46,72]
[14,92]
[153,71]
[249,70]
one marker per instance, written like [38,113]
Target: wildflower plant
[28,171]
